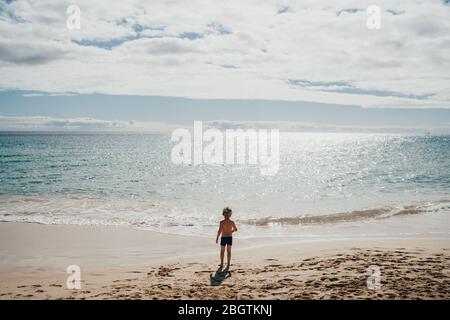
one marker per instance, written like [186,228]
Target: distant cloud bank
[8,123]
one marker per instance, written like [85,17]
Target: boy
[226,228]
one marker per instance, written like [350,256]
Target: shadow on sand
[219,277]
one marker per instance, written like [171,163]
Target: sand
[121,263]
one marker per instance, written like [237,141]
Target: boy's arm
[234,226]
[219,231]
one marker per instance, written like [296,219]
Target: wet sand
[120,263]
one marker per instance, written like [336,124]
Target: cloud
[347,87]
[41,94]
[293,126]
[185,48]
[163,46]
[395,12]
[349,10]
[40,123]
[29,52]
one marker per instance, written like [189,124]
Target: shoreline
[123,263]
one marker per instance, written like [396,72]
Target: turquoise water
[339,181]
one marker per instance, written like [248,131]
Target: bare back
[227,227]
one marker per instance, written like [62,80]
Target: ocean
[329,185]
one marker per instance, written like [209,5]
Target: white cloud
[182,48]
[294,126]
[40,123]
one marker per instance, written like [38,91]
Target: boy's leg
[222,253]
[228,255]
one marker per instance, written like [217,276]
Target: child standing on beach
[226,228]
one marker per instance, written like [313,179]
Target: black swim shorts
[226,241]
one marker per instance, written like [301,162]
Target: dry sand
[121,263]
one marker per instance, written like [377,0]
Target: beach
[122,263]
[144,142]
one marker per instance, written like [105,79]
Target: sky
[312,62]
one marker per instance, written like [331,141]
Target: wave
[142,213]
[349,216]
